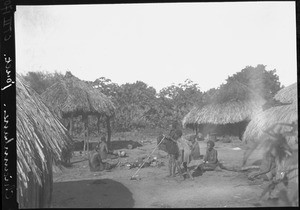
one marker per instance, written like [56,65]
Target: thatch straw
[224,113]
[232,103]
[73,96]
[272,116]
[40,140]
[288,94]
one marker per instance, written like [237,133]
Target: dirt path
[78,187]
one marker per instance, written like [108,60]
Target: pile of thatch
[71,96]
[272,116]
[40,141]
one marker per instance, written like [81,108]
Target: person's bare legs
[171,166]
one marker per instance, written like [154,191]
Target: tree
[263,82]
[177,100]
[40,81]
[209,95]
[106,86]
[135,103]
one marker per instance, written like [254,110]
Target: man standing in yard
[174,135]
[210,161]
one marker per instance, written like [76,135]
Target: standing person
[174,135]
[195,148]
[210,161]
[185,153]
[103,150]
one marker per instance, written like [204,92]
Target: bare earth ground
[77,187]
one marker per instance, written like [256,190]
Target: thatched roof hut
[280,114]
[71,96]
[40,141]
[234,106]
[228,112]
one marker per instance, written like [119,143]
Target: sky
[159,44]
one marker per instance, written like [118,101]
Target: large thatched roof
[40,141]
[71,95]
[232,103]
[272,116]
[228,112]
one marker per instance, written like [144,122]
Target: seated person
[210,161]
[267,168]
[96,163]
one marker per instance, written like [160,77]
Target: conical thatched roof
[234,103]
[71,95]
[40,141]
[279,114]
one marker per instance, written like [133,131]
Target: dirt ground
[77,187]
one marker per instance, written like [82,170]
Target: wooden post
[98,124]
[108,131]
[86,133]
[71,125]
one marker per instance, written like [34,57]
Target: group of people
[181,154]
[182,151]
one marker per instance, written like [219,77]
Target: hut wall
[230,129]
[35,194]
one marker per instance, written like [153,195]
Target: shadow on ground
[257,163]
[196,172]
[115,145]
[100,193]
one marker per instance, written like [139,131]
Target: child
[195,149]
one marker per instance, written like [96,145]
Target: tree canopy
[40,81]
[259,80]
[139,105]
[248,83]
